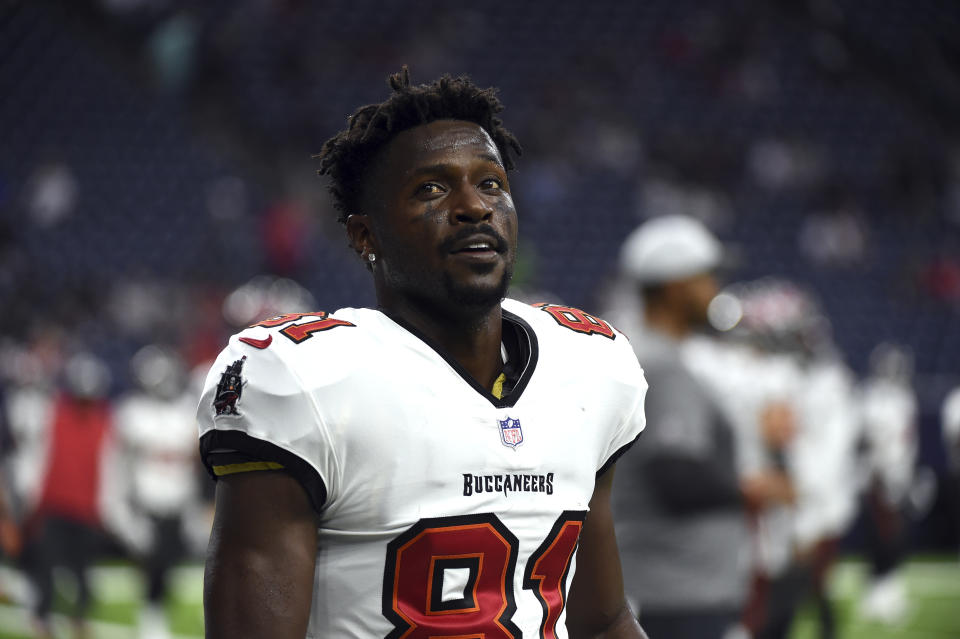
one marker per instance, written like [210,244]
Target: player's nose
[469,206]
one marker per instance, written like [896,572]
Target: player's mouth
[478,246]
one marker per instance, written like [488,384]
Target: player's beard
[445,296]
[472,300]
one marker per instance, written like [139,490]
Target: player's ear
[361,235]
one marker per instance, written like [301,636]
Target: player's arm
[596,607]
[259,572]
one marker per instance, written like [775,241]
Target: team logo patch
[229,389]
[510,432]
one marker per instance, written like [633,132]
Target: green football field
[933,586]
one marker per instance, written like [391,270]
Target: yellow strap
[498,386]
[229,469]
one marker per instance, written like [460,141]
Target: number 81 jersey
[446,509]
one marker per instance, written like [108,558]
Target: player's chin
[479,274]
[479,291]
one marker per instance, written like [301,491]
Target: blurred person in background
[679,503]
[814,406]
[756,391]
[27,373]
[156,443]
[950,423]
[30,371]
[64,528]
[9,521]
[822,463]
[889,410]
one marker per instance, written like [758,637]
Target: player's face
[441,219]
[700,291]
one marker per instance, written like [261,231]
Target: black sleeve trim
[616,455]
[236,441]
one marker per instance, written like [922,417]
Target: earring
[371,257]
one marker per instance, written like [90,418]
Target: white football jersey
[445,511]
[157,437]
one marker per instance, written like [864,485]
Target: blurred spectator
[680,512]
[29,372]
[172,51]
[821,461]
[52,192]
[950,417]
[26,373]
[143,308]
[265,296]
[156,432]
[286,233]
[940,279]
[227,200]
[835,235]
[9,523]
[784,164]
[757,387]
[671,197]
[785,325]
[64,528]
[889,412]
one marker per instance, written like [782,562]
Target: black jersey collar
[522,354]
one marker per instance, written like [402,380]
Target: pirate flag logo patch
[229,389]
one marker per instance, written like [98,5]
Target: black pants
[688,624]
[59,542]
[886,536]
[788,591]
[168,549]
[784,596]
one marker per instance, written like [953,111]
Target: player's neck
[473,342]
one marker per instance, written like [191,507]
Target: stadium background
[156,157]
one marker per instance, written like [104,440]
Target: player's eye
[491,183]
[429,188]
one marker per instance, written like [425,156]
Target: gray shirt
[681,524]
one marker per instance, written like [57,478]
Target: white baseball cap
[669,248]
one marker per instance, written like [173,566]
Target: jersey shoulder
[577,334]
[297,328]
[259,404]
[570,318]
[287,356]
[299,341]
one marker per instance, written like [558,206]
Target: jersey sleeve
[255,414]
[631,384]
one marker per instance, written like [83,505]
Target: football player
[439,466]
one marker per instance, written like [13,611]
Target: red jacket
[72,483]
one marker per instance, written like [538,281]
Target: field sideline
[933,586]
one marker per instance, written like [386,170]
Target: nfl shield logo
[510,433]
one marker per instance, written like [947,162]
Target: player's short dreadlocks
[346,156]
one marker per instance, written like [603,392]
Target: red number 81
[483,549]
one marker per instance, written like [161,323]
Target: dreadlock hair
[346,156]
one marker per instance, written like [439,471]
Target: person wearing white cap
[671,248]
[678,503]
